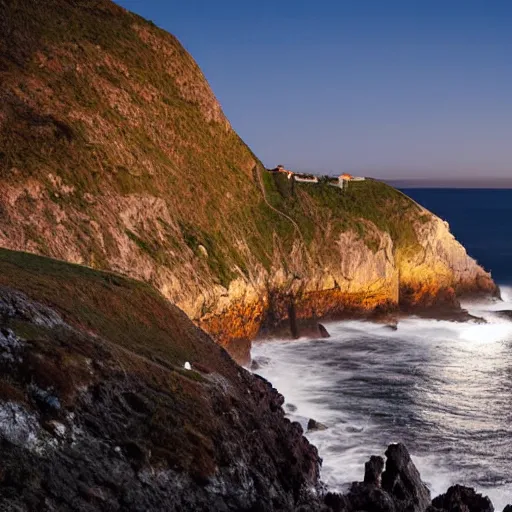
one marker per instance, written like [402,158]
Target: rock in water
[464,499]
[323,331]
[314,425]
[254,365]
[402,480]
[373,471]
[505,313]
[398,489]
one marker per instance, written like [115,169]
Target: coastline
[317,376]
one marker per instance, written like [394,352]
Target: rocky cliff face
[99,410]
[115,154]
[108,406]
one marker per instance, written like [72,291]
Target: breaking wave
[442,388]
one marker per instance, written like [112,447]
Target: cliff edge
[105,405]
[115,154]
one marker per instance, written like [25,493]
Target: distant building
[346,177]
[304,178]
[281,168]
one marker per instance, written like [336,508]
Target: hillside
[97,411]
[114,153]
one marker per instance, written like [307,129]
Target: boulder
[402,481]
[461,499]
[314,425]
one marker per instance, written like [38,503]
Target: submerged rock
[506,313]
[291,407]
[323,331]
[314,425]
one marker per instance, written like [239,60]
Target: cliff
[114,153]
[99,412]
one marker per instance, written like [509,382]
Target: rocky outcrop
[459,498]
[398,488]
[441,271]
[98,410]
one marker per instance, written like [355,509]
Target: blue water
[443,388]
[480,219]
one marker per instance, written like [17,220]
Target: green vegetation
[126,312]
[100,101]
[313,206]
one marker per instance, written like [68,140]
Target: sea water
[442,388]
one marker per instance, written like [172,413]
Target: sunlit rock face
[442,269]
[429,276]
[117,155]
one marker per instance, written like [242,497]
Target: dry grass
[100,106]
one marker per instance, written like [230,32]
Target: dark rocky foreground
[396,486]
[85,425]
[112,400]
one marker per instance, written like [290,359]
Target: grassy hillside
[115,154]
[107,305]
[98,411]
[96,101]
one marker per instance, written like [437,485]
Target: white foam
[456,353]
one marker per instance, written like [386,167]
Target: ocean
[442,388]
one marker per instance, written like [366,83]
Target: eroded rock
[461,499]
[402,480]
[314,425]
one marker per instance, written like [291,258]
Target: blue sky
[389,88]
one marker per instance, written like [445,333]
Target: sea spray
[443,388]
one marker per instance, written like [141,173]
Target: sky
[386,88]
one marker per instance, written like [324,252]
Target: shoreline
[307,359]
